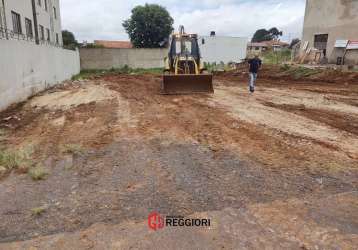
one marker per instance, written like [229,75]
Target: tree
[266,35]
[294,42]
[149,26]
[260,36]
[69,40]
[275,33]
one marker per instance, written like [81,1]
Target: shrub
[38,173]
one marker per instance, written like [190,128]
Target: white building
[31,54]
[217,49]
[37,20]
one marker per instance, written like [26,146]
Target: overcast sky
[102,19]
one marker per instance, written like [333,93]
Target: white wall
[27,68]
[222,49]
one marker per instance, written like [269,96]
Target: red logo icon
[155,221]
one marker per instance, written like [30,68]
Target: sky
[102,19]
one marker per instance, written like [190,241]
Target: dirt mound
[66,99]
[296,74]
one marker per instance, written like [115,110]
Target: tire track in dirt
[250,109]
[181,154]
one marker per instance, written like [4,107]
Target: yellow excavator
[184,71]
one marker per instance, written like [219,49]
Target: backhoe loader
[184,71]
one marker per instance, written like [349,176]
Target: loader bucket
[187,84]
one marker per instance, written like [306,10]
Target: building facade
[329,24]
[31,54]
[274,45]
[33,20]
[218,49]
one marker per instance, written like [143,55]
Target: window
[28,26]
[48,34]
[57,39]
[54,12]
[185,49]
[46,7]
[203,41]
[320,42]
[39,2]
[42,33]
[16,22]
[257,48]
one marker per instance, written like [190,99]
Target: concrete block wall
[103,58]
[27,68]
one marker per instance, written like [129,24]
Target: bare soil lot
[277,169]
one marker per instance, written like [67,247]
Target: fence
[11,35]
[26,68]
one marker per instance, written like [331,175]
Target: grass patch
[38,173]
[213,67]
[2,133]
[85,74]
[72,149]
[37,211]
[285,67]
[277,57]
[20,159]
[301,72]
[2,139]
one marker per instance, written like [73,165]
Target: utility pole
[35,22]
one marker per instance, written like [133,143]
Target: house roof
[263,44]
[114,44]
[277,43]
[268,44]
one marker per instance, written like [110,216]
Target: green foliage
[38,173]
[213,67]
[86,74]
[93,46]
[2,135]
[275,33]
[298,72]
[69,40]
[262,35]
[149,26]
[277,57]
[15,159]
[302,72]
[294,42]
[72,149]
[285,67]
[37,211]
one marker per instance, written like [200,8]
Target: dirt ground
[274,170]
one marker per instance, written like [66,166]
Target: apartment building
[331,27]
[33,20]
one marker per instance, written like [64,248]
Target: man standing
[255,65]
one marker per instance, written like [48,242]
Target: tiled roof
[268,44]
[262,44]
